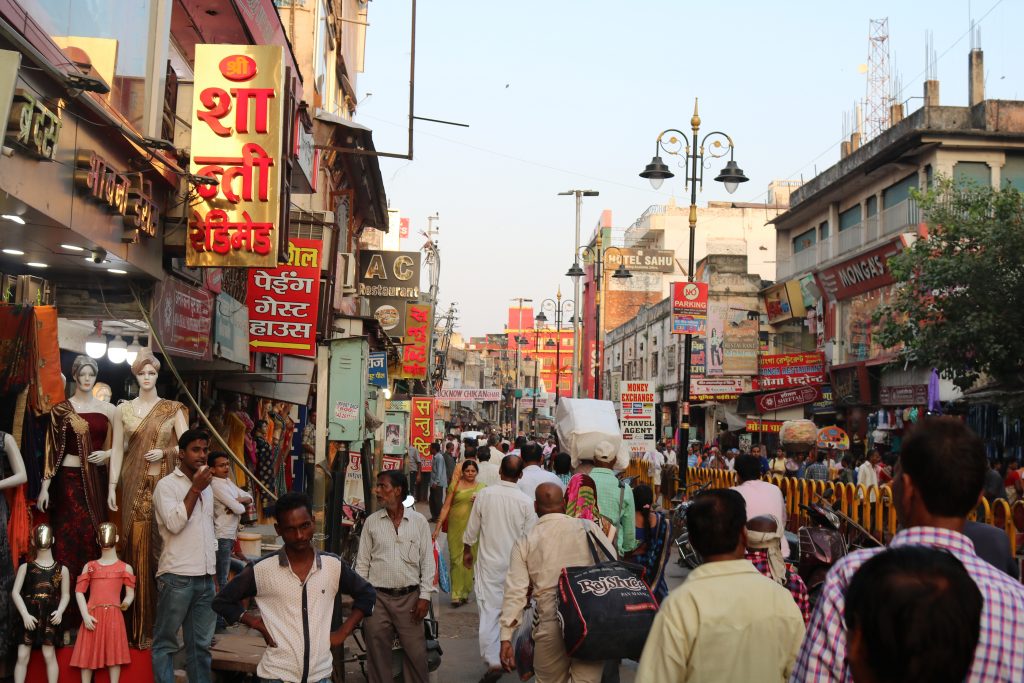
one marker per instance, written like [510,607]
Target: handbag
[605,610]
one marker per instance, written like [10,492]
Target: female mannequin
[152,426]
[12,474]
[41,595]
[84,433]
[103,641]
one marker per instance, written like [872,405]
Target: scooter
[829,537]
[688,557]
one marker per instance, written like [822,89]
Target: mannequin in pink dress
[103,641]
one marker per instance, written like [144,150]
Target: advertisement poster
[353,492]
[786,370]
[636,416]
[739,349]
[421,429]
[689,307]
[283,302]
[395,441]
[717,311]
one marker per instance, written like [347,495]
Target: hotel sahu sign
[237,128]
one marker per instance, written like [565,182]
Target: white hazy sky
[569,94]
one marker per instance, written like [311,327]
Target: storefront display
[41,594]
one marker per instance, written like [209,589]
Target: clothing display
[107,644]
[265,471]
[41,594]
[6,567]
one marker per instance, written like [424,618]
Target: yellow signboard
[237,129]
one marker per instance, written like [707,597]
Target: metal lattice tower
[878,96]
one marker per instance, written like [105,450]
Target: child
[228,507]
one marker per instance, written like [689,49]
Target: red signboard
[283,302]
[907,395]
[417,337]
[787,370]
[403,227]
[183,317]
[689,307]
[763,426]
[789,398]
[421,429]
[860,274]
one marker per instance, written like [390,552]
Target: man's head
[563,463]
[492,441]
[532,453]
[511,468]
[912,614]
[193,447]
[755,451]
[548,499]
[435,448]
[716,524]
[747,468]
[449,447]
[504,447]
[483,454]
[470,452]
[874,457]
[293,520]
[940,473]
[521,441]
[392,487]
[220,463]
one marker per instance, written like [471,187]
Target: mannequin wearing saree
[152,426]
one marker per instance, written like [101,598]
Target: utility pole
[579,194]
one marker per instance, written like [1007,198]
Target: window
[894,194]
[872,206]
[824,231]
[972,173]
[1012,172]
[849,218]
[670,358]
[805,240]
[654,364]
[929,176]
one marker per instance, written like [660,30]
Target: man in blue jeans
[229,503]
[183,502]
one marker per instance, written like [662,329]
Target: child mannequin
[102,640]
[41,595]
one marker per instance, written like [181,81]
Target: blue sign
[378,369]
[689,324]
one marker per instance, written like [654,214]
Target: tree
[958,304]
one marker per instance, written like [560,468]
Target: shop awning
[362,165]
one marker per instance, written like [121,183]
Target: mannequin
[84,434]
[12,474]
[103,641]
[41,595]
[152,426]
[282,447]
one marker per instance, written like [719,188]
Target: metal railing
[806,259]
[899,217]
[852,238]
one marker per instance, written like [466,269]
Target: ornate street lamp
[560,308]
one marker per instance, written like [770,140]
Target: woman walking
[454,517]
[653,533]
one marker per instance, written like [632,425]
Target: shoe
[458,603]
[492,675]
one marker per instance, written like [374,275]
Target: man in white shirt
[501,515]
[655,461]
[228,507]
[493,441]
[488,472]
[761,497]
[183,503]
[533,474]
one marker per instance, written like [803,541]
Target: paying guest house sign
[237,121]
[283,302]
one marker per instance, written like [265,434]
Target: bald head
[511,468]
[549,499]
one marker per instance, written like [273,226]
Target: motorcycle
[829,537]
[688,557]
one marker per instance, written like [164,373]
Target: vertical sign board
[421,429]
[237,138]
[417,338]
[689,307]
[283,302]
[636,417]
[353,490]
[378,372]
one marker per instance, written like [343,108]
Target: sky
[571,94]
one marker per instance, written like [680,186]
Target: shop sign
[463,394]
[763,426]
[237,120]
[230,339]
[213,280]
[848,387]
[417,341]
[790,398]
[715,389]
[528,403]
[127,194]
[32,126]
[636,416]
[283,302]
[698,360]
[907,395]
[825,404]
[183,318]
[389,280]
[861,273]
[787,370]
[783,302]
[377,368]
[740,347]
[642,260]
[689,308]
[421,429]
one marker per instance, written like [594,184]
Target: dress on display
[107,645]
[6,567]
[265,471]
[41,594]
[78,495]
[141,541]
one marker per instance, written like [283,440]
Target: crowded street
[348,341]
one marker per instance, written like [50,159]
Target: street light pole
[580,194]
[536,385]
[657,172]
[559,308]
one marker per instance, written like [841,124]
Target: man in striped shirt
[937,482]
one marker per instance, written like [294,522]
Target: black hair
[483,454]
[470,463]
[511,467]
[293,500]
[504,447]
[435,447]
[946,462]
[643,497]
[256,425]
[212,458]
[563,463]
[918,613]
[747,467]
[532,452]
[715,521]
[521,441]
[191,435]
[469,451]
[397,480]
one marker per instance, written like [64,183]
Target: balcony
[811,257]
[899,217]
[851,238]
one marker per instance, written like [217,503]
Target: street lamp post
[579,194]
[597,255]
[657,172]
[559,309]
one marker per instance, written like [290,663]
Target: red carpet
[139,671]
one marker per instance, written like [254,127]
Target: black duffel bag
[606,610]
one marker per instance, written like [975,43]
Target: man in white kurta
[501,515]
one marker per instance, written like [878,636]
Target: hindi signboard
[689,307]
[763,426]
[715,388]
[787,370]
[237,134]
[378,369]
[636,416]
[417,338]
[183,317]
[421,429]
[283,302]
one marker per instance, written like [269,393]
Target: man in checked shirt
[937,482]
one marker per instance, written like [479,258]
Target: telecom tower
[878,96]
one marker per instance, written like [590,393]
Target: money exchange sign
[237,129]
[283,302]
[636,419]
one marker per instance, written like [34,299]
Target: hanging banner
[715,389]
[417,338]
[636,416]
[283,302]
[231,335]
[689,307]
[421,429]
[377,368]
[785,370]
[183,317]
[237,134]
